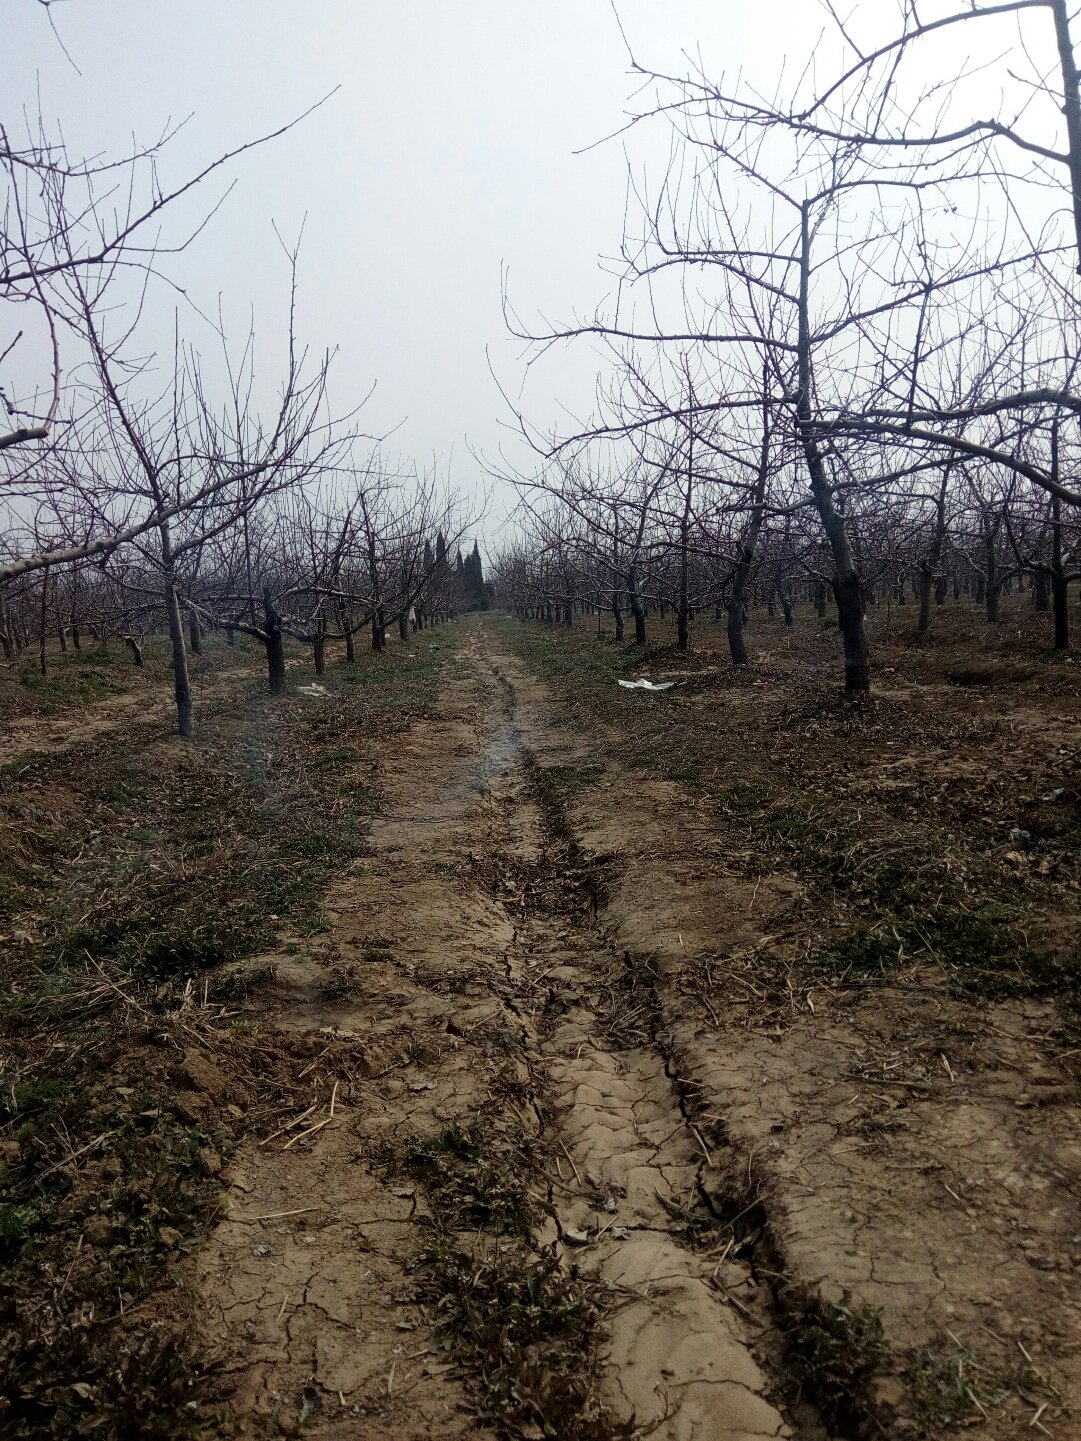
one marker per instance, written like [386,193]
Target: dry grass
[526,1329]
[936,821]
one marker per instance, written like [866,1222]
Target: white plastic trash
[643,684]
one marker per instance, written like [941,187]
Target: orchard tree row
[672,542]
[179,492]
[844,347]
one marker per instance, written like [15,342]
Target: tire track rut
[632,1196]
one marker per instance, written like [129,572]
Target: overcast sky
[447,152]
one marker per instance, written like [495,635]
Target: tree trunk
[136,650]
[737,609]
[1060,610]
[319,647]
[636,608]
[274,640]
[1041,598]
[403,625]
[847,590]
[741,576]
[994,591]
[683,608]
[927,581]
[195,631]
[1059,582]
[43,617]
[994,585]
[8,638]
[850,615]
[786,604]
[181,680]
[737,647]
[617,614]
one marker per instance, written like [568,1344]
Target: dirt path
[469,942]
[512,985]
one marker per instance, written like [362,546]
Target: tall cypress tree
[473,578]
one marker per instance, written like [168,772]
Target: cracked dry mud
[530,958]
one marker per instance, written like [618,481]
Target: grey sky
[447,152]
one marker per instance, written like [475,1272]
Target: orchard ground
[478,1048]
